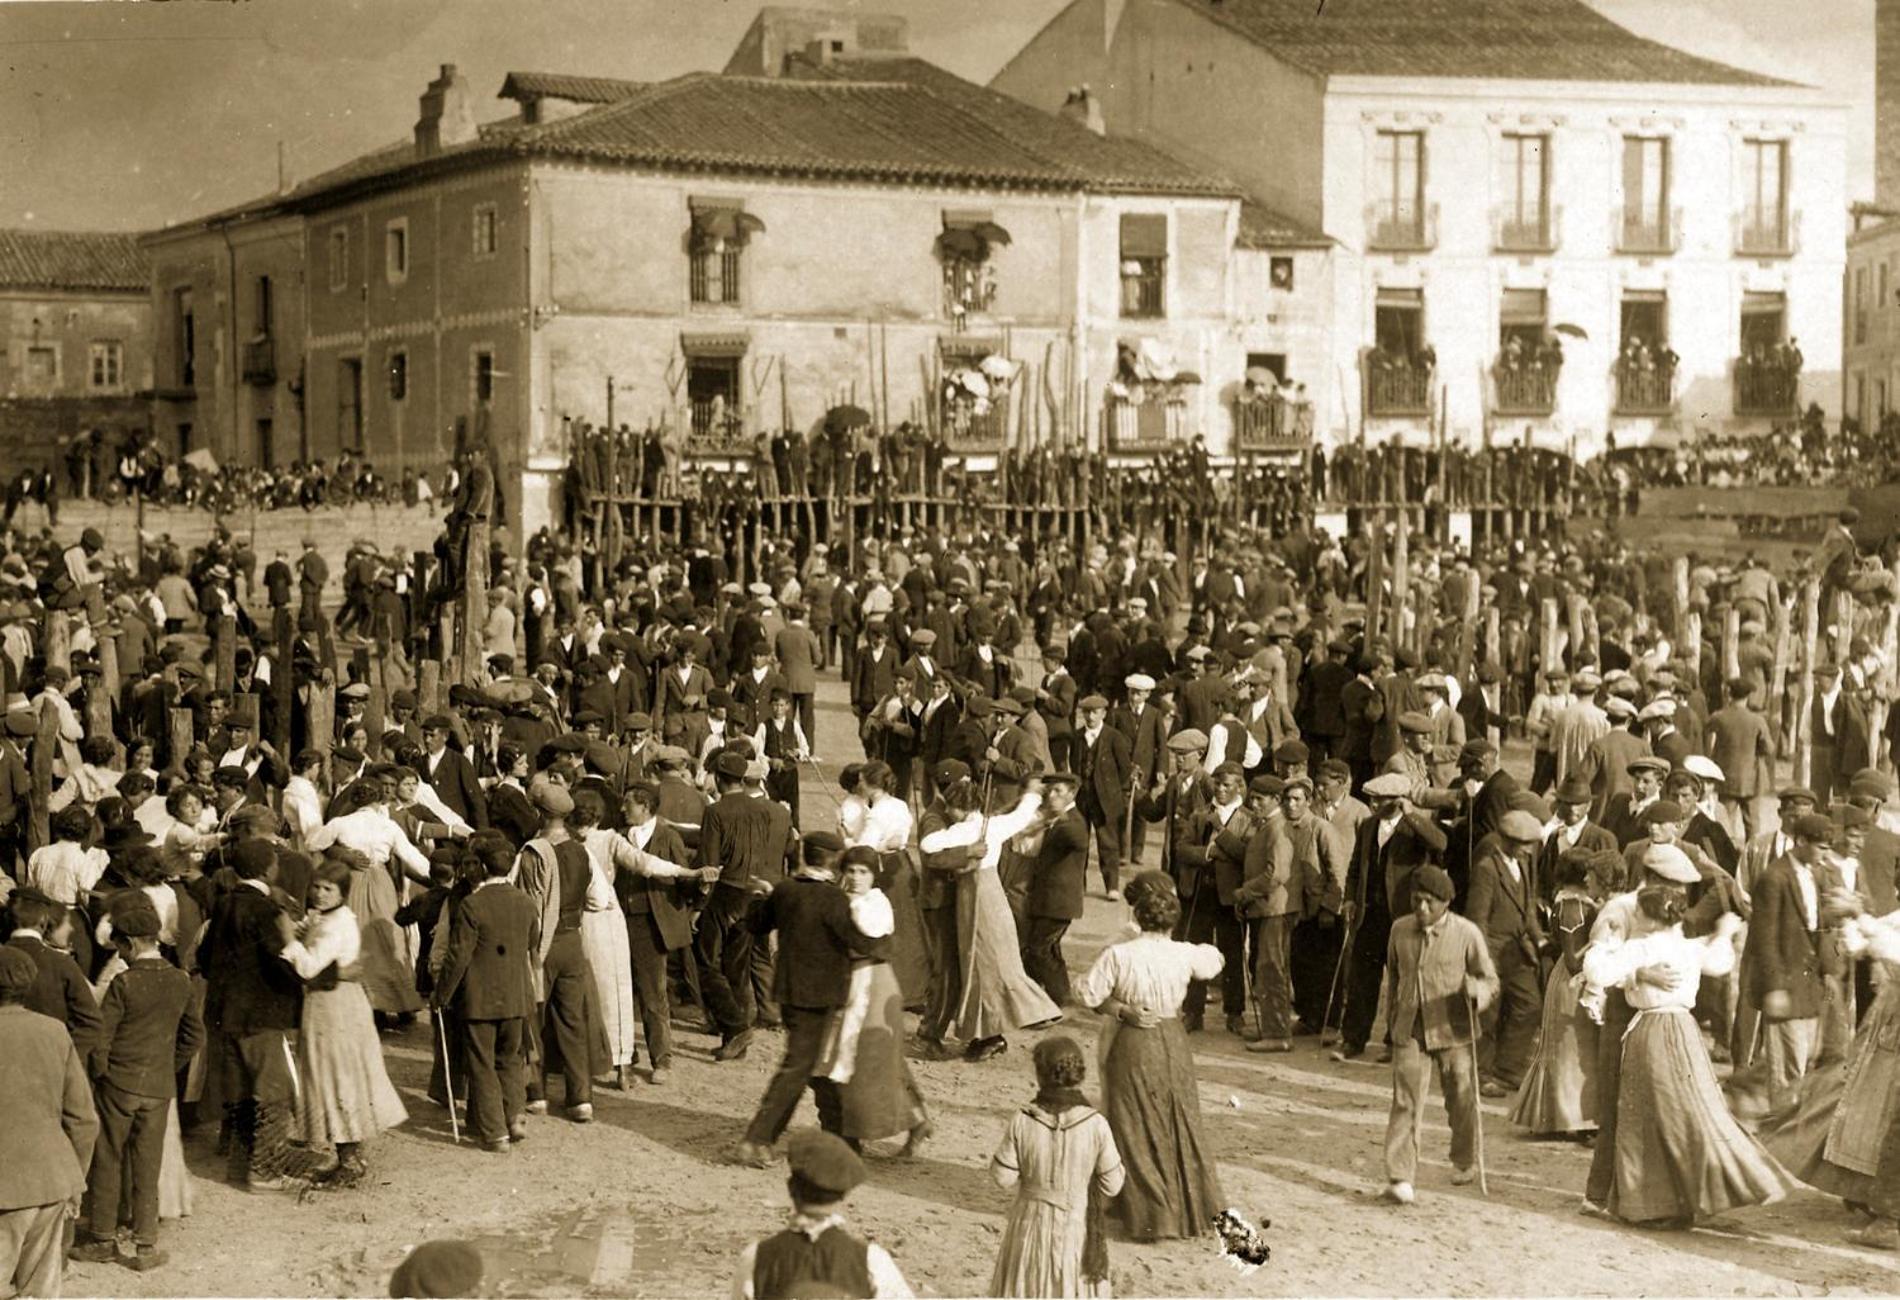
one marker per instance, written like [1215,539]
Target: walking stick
[448,1073]
[1477,1100]
[1333,990]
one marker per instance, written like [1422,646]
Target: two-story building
[75,342]
[830,222]
[1546,224]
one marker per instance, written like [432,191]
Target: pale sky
[117,116]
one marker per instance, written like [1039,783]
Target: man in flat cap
[1391,846]
[553,872]
[1781,962]
[1623,817]
[1740,742]
[815,1254]
[1605,765]
[450,774]
[1103,757]
[737,835]
[1502,902]
[1839,728]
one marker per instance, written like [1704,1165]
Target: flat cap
[1663,810]
[949,771]
[1388,785]
[1797,793]
[1574,790]
[824,1161]
[1139,682]
[923,636]
[1292,752]
[438,722]
[1093,702]
[1191,741]
[553,799]
[1414,722]
[1521,827]
[1266,784]
[18,971]
[1618,706]
[1658,708]
[1433,881]
[1477,749]
[1647,763]
[1671,863]
[1706,768]
[1812,826]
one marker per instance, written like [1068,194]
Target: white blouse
[1617,964]
[853,814]
[886,826]
[325,937]
[1878,936]
[1150,971]
[992,832]
[871,913]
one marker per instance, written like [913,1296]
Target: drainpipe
[233,361]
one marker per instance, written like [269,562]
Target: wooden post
[1692,645]
[1401,577]
[1776,705]
[178,723]
[1732,643]
[224,643]
[472,606]
[244,708]
[1548,654]
[320,720]
[1681,629]
[57,645]
[45,746]
[1493,638]
[1804,704]
[108,643]
[1843,613]
[429,687]
[1573,611]
[1375,576]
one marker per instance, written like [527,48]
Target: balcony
[1515,231]
[1272,424]
[1767,234]
[1389,231]
[260,361]
[717,428]
[1147,426]
[1401,389]
[1766,386]
[1648,233]
[1524,388]
[965,429]
[1645,389]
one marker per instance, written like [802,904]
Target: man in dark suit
[1056,886]
[1363,706]
[735,836]
[1055,700]
[1102,758]
[874,669]
[451,774]
[658,923]
[61,990]
[936,720]
[1392,844]
[1840,731]
[1574,830]
[812,918]
[253,1001]
[1478,761]
[937,899]
[486,978]
[1781,961]
[1502,902]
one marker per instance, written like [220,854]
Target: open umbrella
[846,418]
[1262,376]
[1574,331]
[200,458]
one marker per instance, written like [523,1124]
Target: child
[425,909]
[782,742]
[1056,1246]
[815,1250]
[347,1097]
[148,1032]
[1438,977]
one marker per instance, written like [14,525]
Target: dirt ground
[638,1203]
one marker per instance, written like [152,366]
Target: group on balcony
[1146,404]
[1526,373]
[1401,378]
[1768,377]
[1645,375]
[1272,411]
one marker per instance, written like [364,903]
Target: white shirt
[373,833]
[1810,899]
[1385,830]
[886,826]
[1217,749]
[303,806]
[992,832]
[332,936]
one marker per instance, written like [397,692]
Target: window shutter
[1144,235]
[1522,307]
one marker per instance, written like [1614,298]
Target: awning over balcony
[967,349]
[1150,361]
[724,219]
[725,343]
[969,233]
[1144,235]
[1522,307]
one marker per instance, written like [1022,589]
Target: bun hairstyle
[1664,904]
[876,775]
[962,797]
[1060,1063]
[1156,905]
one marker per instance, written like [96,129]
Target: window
[1647,223]
[1280,273]
[107,369]
[349,404]
[1645,365]
[1529,358]
[1144,265]
[1398,190]
[1768,367]
[487,228]
[186,333]
[966,248]
[266,448]
[396,250]
[184,439]
[398,376]
[339,257]
[1399,372]
[264,305]
[712,391]
[1860,304]
[1269,361]
[716,247]
[1764,195]
[1524,222]
[42,368]
[484,377]
[1399,322]
[1521,316]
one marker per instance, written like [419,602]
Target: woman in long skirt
[1680,1155]
[886,829]
[997,995]
[346,1096]
[385,972]
[1060,1155]
[1149,1090]
[1559,1095]
[864,1043]
[604,935]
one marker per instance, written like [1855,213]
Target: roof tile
[60,259]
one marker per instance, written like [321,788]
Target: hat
[587,718]
[1824,670]
[823,1161]
[1521,827]
[1648,763]
[1854,817]
[1671,863]
[1266,784]
[1191,741]
[136,917]
[1574,790]
[1867,784]
[553,799]
[949,771]
[354,691]
[923,636]
[1663,810]
[1795,793]
[254,816]
[1093,702]
[1433,682]
[1554,675]
[1291,752]
[1433,881]
[1812,826]
[1008,704]
[1742,687]
[1658,708]
[1587,680]
[1706,768]
[438,722]
[1139,682]
[1388,785]
[1415,723]
[1197,653]
[1618,707]
[1475,750]
[438,1268]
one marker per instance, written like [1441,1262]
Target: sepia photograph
[884,648]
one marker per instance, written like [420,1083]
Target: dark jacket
[493,935]
[61,991]
[1056,886]
[1782,954]
[455,782]
[816,938]
[251,987]
[659,898]
[1415,842]
[148,1029]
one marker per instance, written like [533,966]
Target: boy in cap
[1438,971]
[815,1254]
[1502,903]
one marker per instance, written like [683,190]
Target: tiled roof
[557,85]
[1516,40]
[59,259]
[1262,227]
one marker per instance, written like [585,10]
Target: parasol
[1262,376]
[1574,331]
[840,418]
[200,458]
[999,368]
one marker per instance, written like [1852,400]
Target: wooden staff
[1682,605]
[320,719]
[1401,577]
[224,647]
[1375,576]
[1778,688]
[472,612]
[1550,658]
[283,678]
[1732,644]
[1692,645]
[178,724]
[1804,708]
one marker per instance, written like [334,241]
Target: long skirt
[385,970]
[345,1092]
[997,995]
[1679,1153]
[910,959]
[864,1055]
[604,938]
[1153,1104]
[1559,1093]
[1832,1133]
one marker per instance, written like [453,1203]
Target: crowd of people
[1307,818]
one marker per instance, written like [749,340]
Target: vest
[786,1262]
[571,882]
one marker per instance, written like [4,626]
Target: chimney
[821,52]
[1887,102]
[1082,106]
[446,118]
